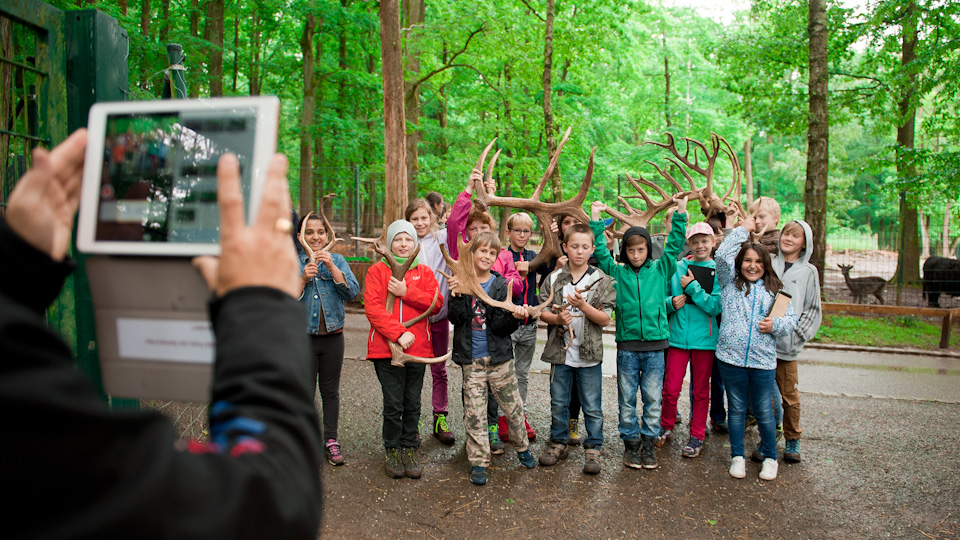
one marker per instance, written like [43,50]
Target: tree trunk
[945,235]
[195,34]
[548,127]
[818,129]
[145,33]
[236,53]
[164,21]
[666,77]
[413,14]
[395,171]
[254,69]
[924,235]
[308,189]
[342,65]
[748,166]
[910,255]
[215,66]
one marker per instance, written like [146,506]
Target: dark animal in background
[940,276]
[861,287]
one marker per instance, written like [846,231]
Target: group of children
[668,316]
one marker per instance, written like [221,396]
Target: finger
[67,157]
[228,194]
[275,203]
[209,268]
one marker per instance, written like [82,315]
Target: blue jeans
[643,371]
[589,384]
[756,385]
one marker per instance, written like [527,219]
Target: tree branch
[533,10]
[416,85]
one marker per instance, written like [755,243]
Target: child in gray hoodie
[801,281]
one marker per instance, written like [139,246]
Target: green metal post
[174,79]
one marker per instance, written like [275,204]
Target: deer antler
[710,203]
[635,218]
[561,307]
[326,223]
[466,274]
[398,357]
[545,212]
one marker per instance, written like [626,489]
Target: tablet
[150,172]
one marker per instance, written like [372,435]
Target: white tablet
[150,172]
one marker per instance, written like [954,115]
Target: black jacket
[76,469]
[500,324]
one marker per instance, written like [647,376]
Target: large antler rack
[710,203]
[544,211]
[398,356]
[326,223]
[634,217]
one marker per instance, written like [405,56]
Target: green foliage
[882,332]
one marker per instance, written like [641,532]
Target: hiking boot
[478,475]
[591,461]
[648,456]
[664,435]
[769,469]
[631,453]
[411,469]
[503,429]
[556,451]
[526,459]
[574,435]
[756,456]
[719,427]
[332,451]
[441,431]
[738,467]
[792,452]
[496,445]
[692,449]
[394,464]
[531,434]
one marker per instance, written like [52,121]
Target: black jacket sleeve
[80,470]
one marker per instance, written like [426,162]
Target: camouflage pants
[502,381]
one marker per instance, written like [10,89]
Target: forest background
[619,73]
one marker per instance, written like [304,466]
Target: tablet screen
[159,173]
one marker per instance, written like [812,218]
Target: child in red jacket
[401,385]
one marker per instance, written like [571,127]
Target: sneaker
[769,469]
[664,435]
[478,475]
[503,430]
[648,456]
[526,459]
[692,449]
[332,450]
[496,445]
[531,434]
[394,464]
[756,456]
[441,431]
[738,467]
[591,461]
[792,452]
[719,427]
[411,469]
[574,435]
[554,453]
[631,453]
[779,432]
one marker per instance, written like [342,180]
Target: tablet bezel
[267,113]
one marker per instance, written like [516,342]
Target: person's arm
[809,321]
[604,260]
[505,267]
[458,219]
[459,312]
[420,297]
[675,240]
[350,287]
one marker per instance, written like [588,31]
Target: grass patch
[880,331]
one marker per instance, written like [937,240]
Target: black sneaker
[394,464]
[478,475]
[631,454]
[648,456]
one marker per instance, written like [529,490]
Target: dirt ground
[873,468]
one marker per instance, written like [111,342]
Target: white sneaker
[769,469]
[738,467]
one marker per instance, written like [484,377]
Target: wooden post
[945,330]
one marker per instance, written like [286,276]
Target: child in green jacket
[642,330]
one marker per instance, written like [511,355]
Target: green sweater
[640,310]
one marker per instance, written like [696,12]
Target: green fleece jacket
[694,325]
[640,310]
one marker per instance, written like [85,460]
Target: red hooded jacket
[421,285]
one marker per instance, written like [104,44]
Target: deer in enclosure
[863,286]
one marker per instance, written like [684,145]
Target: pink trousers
[701,366]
